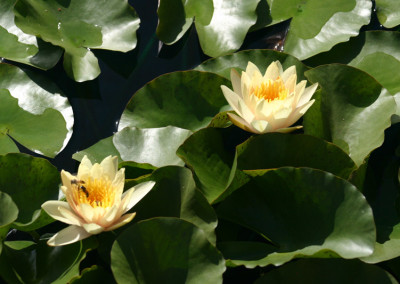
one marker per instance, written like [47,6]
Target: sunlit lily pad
[314,27]
[33,112]
[8,210]
[29,182]
[388,12]
[165,250]
[262,58]
[352,110]
[183,99]
[21,47]
[78,26]
[154,146]
[287,205]
[221,24]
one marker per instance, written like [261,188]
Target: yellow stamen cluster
[271,90]
[95,192]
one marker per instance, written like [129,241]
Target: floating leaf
[323,270]
[8,210]
[165,250]
[261,58]
[275,150]
[20,47]
[187,100]
[352,110]
[314,24]
[29,182]
[388,12]
[221,24]
[154,146]
[287,205]
[175,195]
[78,26]
[33,112]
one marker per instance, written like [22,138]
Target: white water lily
[269,103]
[95,202]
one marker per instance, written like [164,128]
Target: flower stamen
[271,90]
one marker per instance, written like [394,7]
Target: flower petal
[84,168]
[236,82]
[118,184]
[252,71]
[299,112]
[307,94]
[290,83]
[289,129]
[93,228]
[69,235]
[231,97]
[262,126]
[241,123]
[122,221]
[135,194]
[52,208]
[66,178]
[96,172]
[86,212]
[273,71]
[288,73]
[110,216]
[110,166]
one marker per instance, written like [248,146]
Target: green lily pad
[8,210]
[187,100]
[352,110]
[275,150]
[20,47]
[78,26]
[94,274]
[388,12]
[154,146]
[33,112]
[262,58]
[40,263]
[327,270]
[221,24]
[175,195]
[375,52]
[29,181]
[165,250]
[314,24]
[287,205]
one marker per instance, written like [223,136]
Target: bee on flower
[269,103]
[95,202]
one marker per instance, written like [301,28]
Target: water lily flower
[269,103]
[95,202]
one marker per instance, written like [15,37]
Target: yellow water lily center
[95,201]
[269,103]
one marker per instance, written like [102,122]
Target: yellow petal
[69,235]
[135,194]
[118,184]
[93,228]
[122,221]
[241,123]
[288,73]
[236,82]
[110,166]
[84,168]
[273,71]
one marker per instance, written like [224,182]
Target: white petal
[52,208]
[135,194]
[66,178]
[71,216]
[236,82]
[245,86]
[299,112]
[110,216]
[262,126]
[110,166]
[93,228]
[241,123]
[289,129]
[231,97]
[245,111]
[69,235]
[307,94]
[118,184]
[300,87]
[288,73]
[253,71]
[86,212]
[273,71]
[290,83]
[96,172]
[122,221]
[84,168]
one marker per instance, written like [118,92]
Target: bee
[79,184]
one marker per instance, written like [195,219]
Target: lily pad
[187,100]
[221,24]
[33,112]
[8,210]
[314,24]
[352,110]
[320,270]
[29,182]
[388,12]
[78,26]
[287,205]
[21,47]
[154,146]
[262,58]
[165,250]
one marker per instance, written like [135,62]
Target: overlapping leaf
[352,110]
[21,47]
[77,26]
[165,250]
[221,24]
[33,112]
[286,206]
[155,146]
[388,12]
